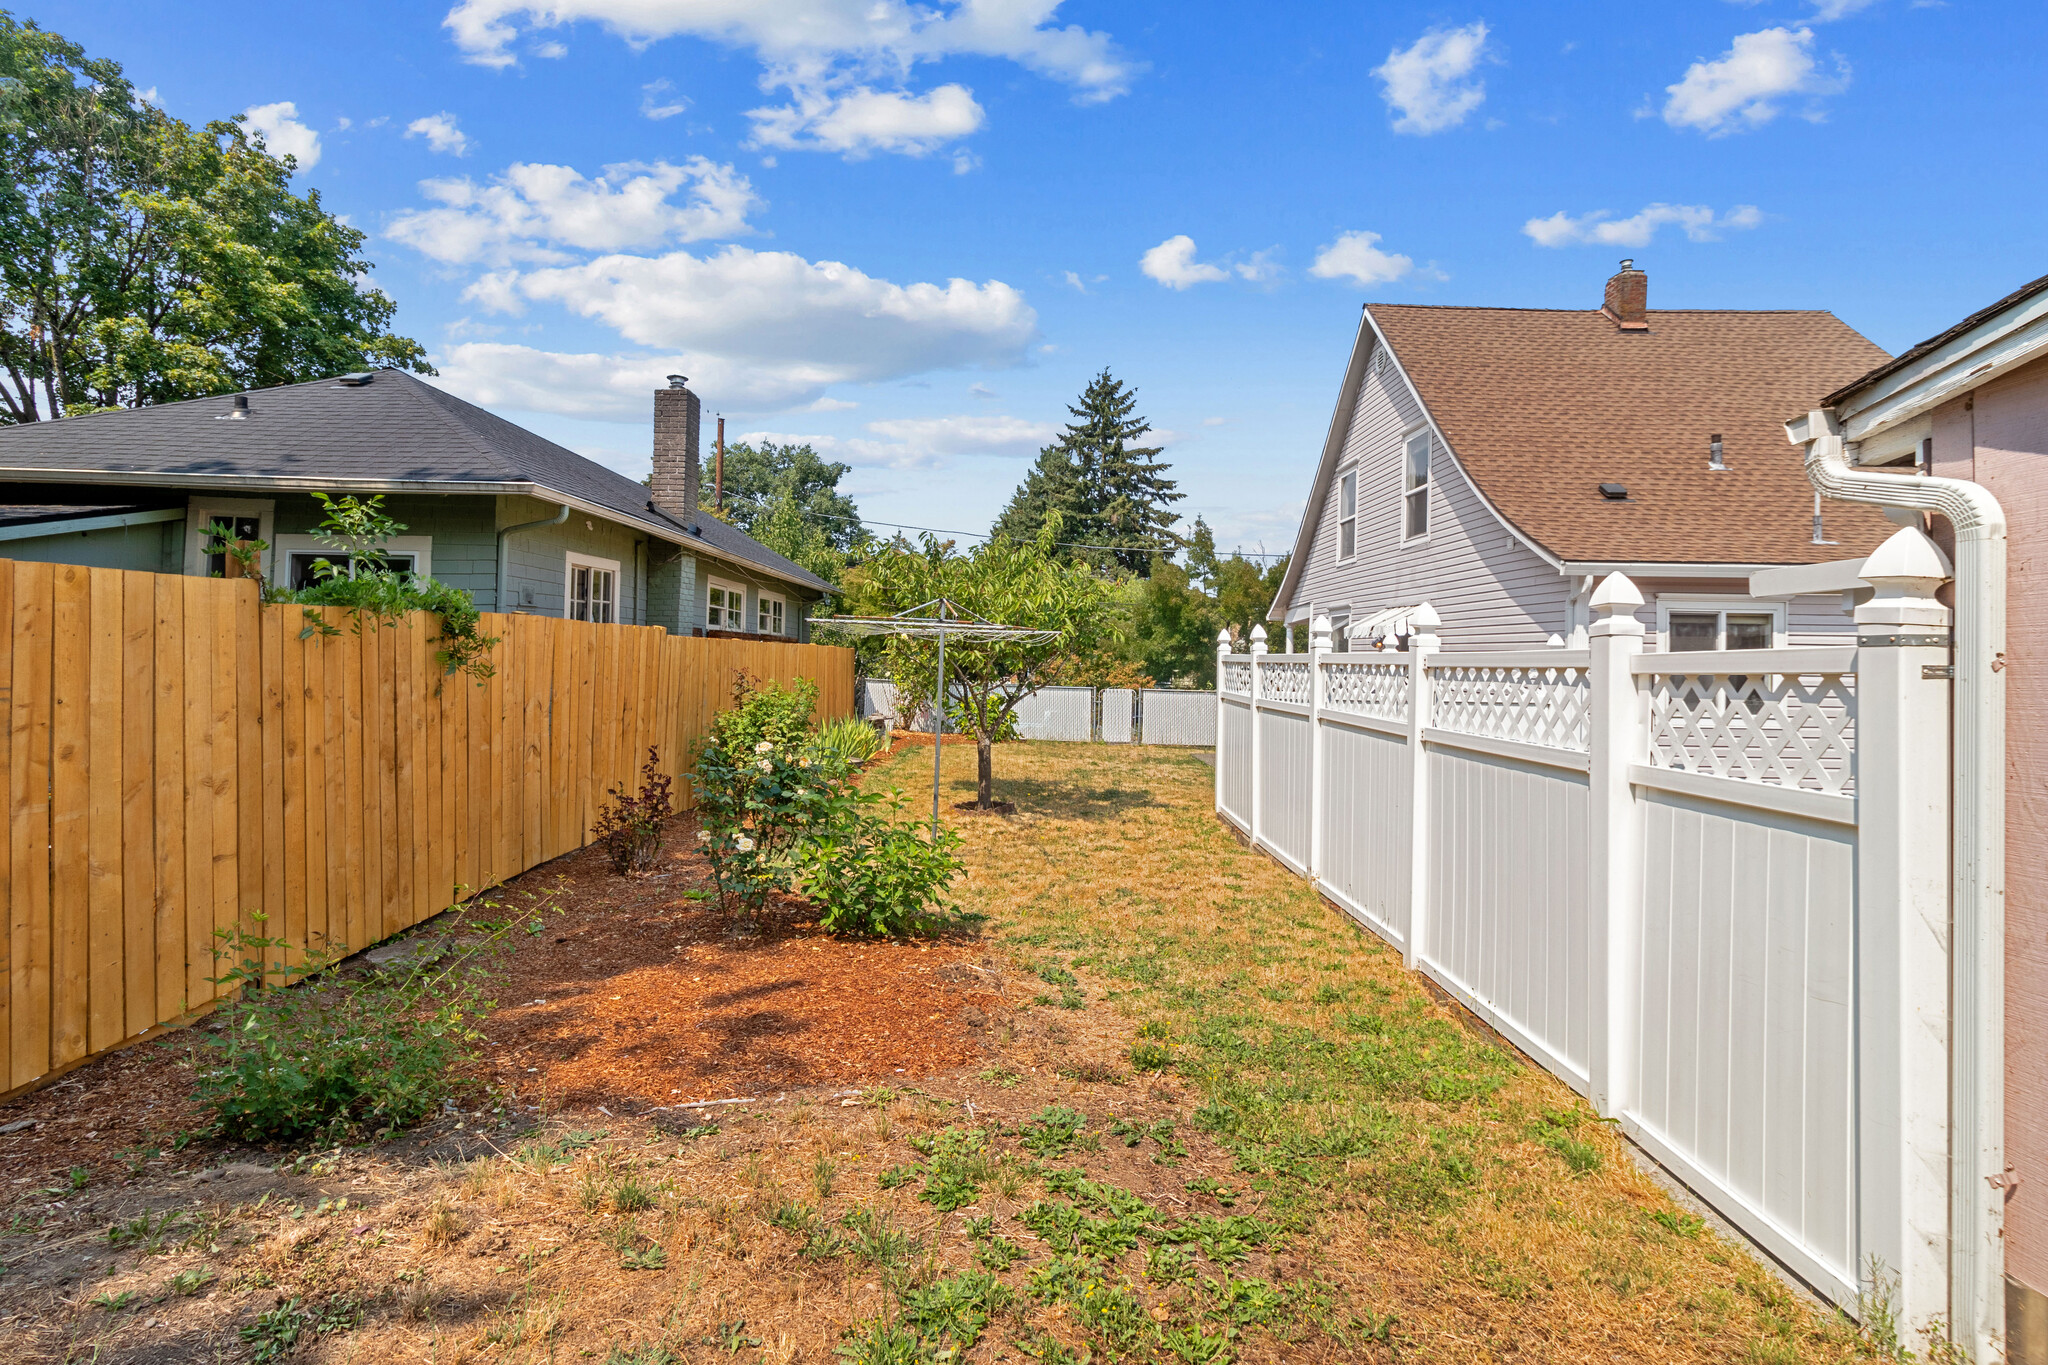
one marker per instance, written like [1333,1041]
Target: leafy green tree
[1010,582]
[773,478]
[144,261]
[1105,490]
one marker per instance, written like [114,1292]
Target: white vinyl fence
[1126,716]
[1650,873]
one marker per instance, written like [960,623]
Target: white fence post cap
[1555,641]
[1910,564]
[1223,642]
[1258,639]
[1616,594]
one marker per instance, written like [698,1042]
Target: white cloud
[1356,256]
[775,305]
[616,387]
[1600,228]
[659,100]
[551,51]
[1746,86]
[1429,84]
[1173,264]
[440,132]
[1827,11]
[861,121]
[1259,267]
[967,435]
[529,212]
[279,127]
[148,97]
[822,41]
[830,405]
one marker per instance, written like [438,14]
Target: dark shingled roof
[1541,406]
[1942,338]
[396,430]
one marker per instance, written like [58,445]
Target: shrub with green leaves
[290,1057]
[869,871]
[850,739]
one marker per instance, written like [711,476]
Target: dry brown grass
[1453,1228]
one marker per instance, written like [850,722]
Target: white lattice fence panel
[1785,729]
[1283,680]
[1057,713]
[1546,705]
[1379,690]
[1118,703]
[1237,677]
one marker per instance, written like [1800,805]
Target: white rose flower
[764,747]
[744,844]
[703,836]
[765,766]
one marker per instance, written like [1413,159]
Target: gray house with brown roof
[1497,462]
[524,525]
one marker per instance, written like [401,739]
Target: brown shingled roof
[1541,406]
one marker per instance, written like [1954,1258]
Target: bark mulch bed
[637,994]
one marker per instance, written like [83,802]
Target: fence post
[1902,958]
[1222,653]
[1318,646]
[1423,641]
[1258,787]
[1618,737]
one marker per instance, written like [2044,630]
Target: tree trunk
[985,773]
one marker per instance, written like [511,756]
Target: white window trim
[1428,486]
[282,548]
[713,581]
[1351,474]
[763,597]
[571,561]
[1720,602]
[200,513]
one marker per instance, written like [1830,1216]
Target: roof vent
[676,381]
[353,381]
[1614,492]
[1714,460]
[239,412]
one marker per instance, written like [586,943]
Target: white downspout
[1977,949]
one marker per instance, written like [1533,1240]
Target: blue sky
[911,234]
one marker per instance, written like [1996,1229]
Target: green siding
[153,548]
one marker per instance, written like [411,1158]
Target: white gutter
[1977,1177]
[498,596]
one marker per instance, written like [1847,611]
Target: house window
[1340,627]
[768,614]
[1347,517]
[592,590]
[725,606]
[1416,496]
[227,529]
[1705,626]
[241,518]
[411,556]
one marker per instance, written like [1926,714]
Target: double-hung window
[1347,516]
[1415,494]
[1705,626]
[768,614]
[725,606]
[592,590]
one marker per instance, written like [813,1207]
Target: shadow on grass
[1071,800]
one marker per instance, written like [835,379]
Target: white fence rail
[1123,715]
[1650,873]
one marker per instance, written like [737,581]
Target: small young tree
[1008,582]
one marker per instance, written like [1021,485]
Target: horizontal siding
[1491,590]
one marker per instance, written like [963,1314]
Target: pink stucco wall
[1999,437]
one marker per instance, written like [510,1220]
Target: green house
[521,523]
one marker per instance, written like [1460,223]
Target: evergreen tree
[1107,491]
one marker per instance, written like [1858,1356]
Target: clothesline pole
[939,720]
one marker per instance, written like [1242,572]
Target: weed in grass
[878,1097]
[978,1228]
[1225,1241]
[78,1177]
[629,1195]
[1553,1128]
[896,1177]
[590,1190]
[1680,1223]
[1056,1130]
[186,1283]
[877,1341]
[1168,1264]
[560,1152]
[957,1308]
[823,1172]
[1214,1188]
[1048,1350]
[1196,1347]
[732,1336]
[1071,996]
[1147,1056]
[999,1253]
[1248,1302]
[652,1353]
[644,1258]
[874,1240]
[145,1232]
[113,1302]
[1066,1229]
[1327,994]
[273,1335]
[1002,1076]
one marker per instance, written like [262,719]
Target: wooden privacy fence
[177,759]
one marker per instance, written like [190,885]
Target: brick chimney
[675,483]
[1628,299]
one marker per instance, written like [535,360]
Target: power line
[1063,544]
